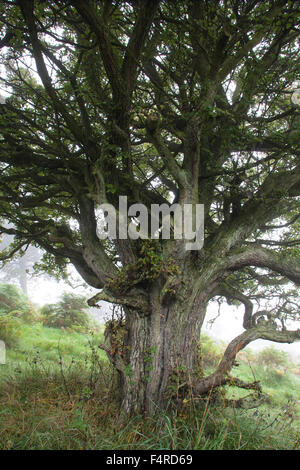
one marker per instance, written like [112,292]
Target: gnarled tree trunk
[162,352]
[156,349]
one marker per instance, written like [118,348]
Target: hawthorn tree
[161,101]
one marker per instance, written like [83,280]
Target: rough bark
[156,350]
[157,353]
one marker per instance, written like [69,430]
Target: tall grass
[42,410]
[58,392]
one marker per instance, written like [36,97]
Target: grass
[50,342]
[57,391]
[281,387]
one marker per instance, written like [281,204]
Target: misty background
[222,323]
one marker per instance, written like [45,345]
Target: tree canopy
[161,101]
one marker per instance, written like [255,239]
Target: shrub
[14,301]
[10,329]
[272,357]
[69,312]
[14,307]
[211,353]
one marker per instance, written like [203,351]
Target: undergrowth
[57,391]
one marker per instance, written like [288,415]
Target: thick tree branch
[27,8]
[178,173]
[135,299]
[136,43]
[221,375]
[110,59]
[261,257]
[231,62]
[231,293]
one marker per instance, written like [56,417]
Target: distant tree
[18,268]
[18,265]
[14,307]
[272,357]
[12,300]
[70,311]
[161,101]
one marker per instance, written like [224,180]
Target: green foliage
[10,329]
[12,299]
[272,357]
[69,312]
[211,353]
[150,265]
[55,266]
[14,308]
